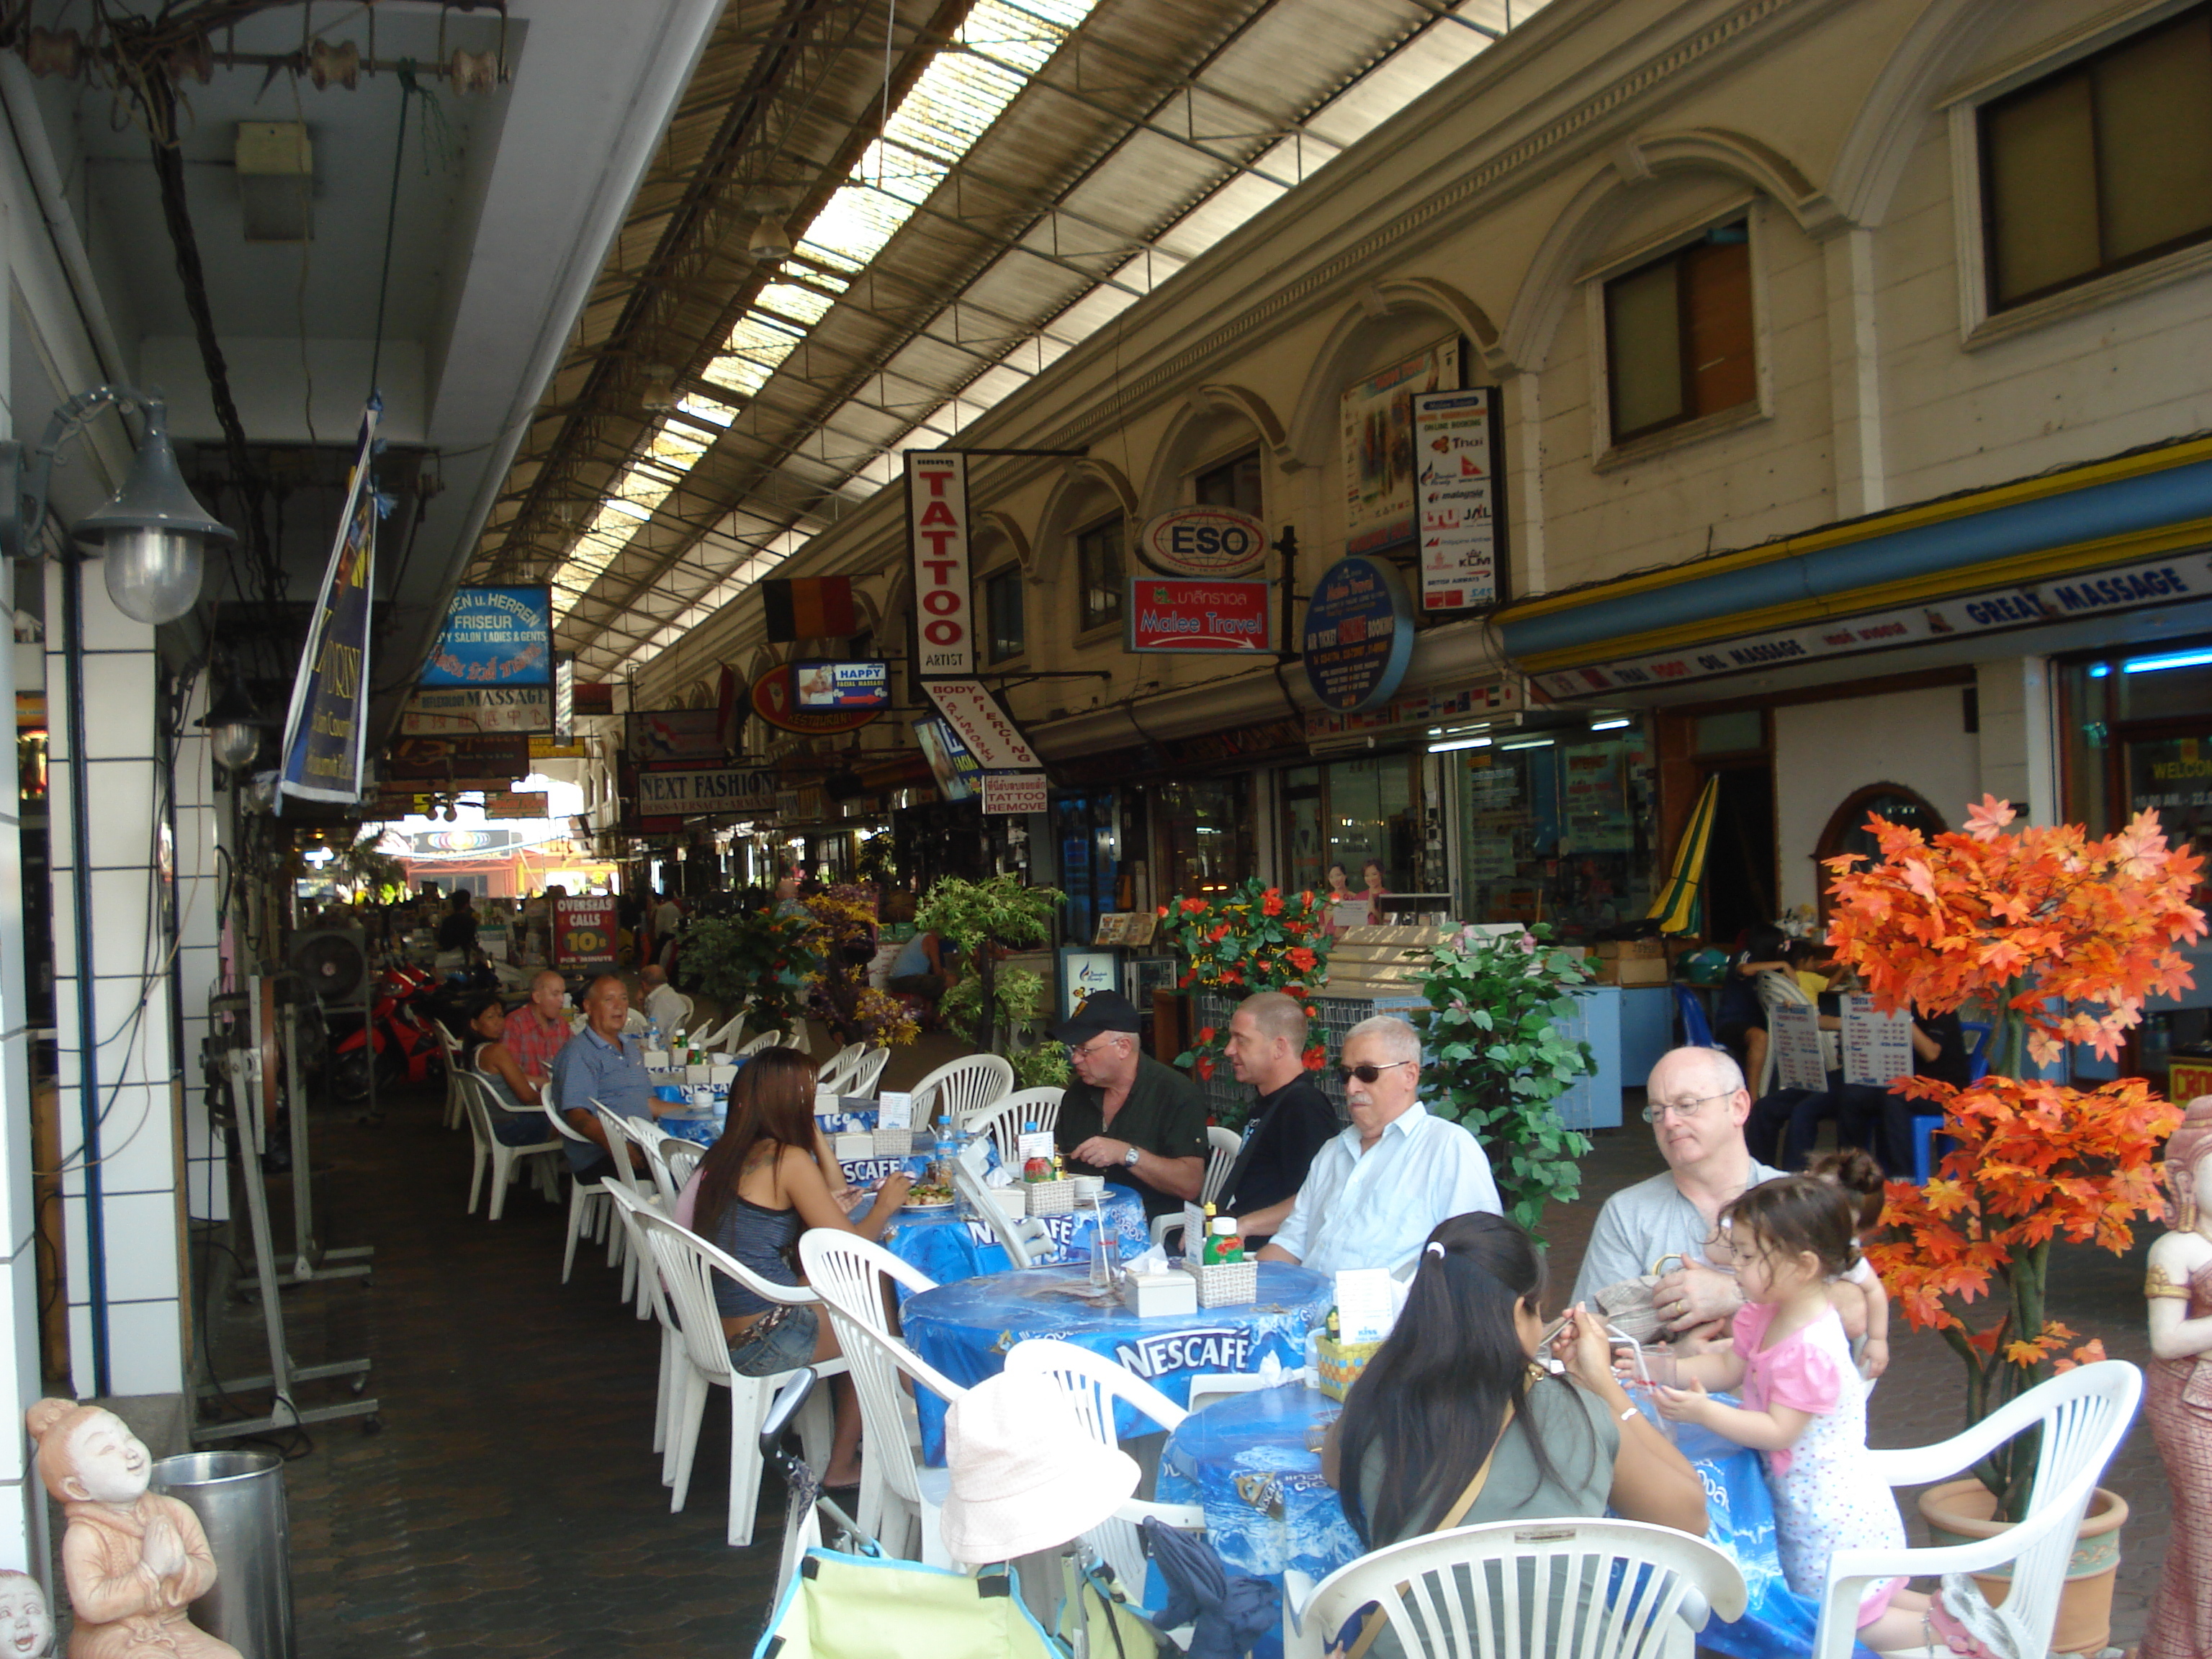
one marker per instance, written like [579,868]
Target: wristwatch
[1129,1159]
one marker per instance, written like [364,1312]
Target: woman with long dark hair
[767,1180]
[1458,1382]
[485,1054]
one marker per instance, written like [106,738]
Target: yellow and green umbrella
[1679,907]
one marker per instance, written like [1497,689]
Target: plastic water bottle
[652,1033]
[1313,1356]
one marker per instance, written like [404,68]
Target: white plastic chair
[2084,1414]
[899,1498]
[867,1073]
[681,1158]
[961,1087]
[834,1070]
[1222,1146]
[622,1135]
[765,1040]
[1026,1238]
[456,1107]
[713,1042]
[655,1142]
[626,1206]
[683,1022]
[796,1038]
[588,1199]
[507,1161]
[690,1264]
[1520,1577]
[1093,1383]
[1004,1120]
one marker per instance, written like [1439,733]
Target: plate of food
[926,1197]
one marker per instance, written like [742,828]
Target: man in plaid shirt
[537,1030]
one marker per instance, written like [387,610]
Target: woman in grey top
[1458,1376]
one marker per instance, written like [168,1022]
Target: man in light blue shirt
[603,1063]
[1375,1192]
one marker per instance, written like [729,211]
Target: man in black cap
[1127,1117]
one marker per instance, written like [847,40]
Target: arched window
[1847,831]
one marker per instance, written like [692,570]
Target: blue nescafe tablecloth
[705,1128]
[948,1248]
[965,1329]
[1244,1459]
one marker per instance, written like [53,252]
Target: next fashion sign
[2157,581]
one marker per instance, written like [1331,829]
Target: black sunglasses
[1368,1073]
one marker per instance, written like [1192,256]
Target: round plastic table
[965,1329]
[1245,1460]
[948,1248]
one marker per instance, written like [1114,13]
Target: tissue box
[1341,1364]
[1225,1284]
[699,1074]
[849,1148]
[1014,1200]
[1152,1295]
[1050,1197]
[656,1060]
[893,1143]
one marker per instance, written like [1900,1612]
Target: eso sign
[1202,541]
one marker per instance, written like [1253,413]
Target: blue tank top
[756,1238]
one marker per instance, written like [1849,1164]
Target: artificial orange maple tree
[2062,938]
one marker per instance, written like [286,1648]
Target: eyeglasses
[1087,1050]
[1681,1108]
[1368,1073]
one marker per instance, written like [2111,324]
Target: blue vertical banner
[326,727]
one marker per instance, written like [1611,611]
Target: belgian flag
[809,607]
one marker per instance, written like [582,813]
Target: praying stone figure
[133,1561]
[2178,1390]
[26,1628]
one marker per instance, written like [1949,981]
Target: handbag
[1372,1627]
[1628,1306]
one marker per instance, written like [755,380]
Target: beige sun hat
[1026,1475]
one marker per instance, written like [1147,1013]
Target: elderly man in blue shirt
[1376,1191]
[603,1064]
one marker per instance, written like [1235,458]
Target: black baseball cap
[1102,1011]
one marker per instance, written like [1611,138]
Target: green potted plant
[1498,1063]
[2060,938]
[978,917]
[758,960]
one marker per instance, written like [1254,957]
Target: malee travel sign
[2156,582]
[690,792]
[1202,617]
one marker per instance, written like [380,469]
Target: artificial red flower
[1271,901]
[1204,1066]
[1163,909]
[1315,1058]
[1301,958]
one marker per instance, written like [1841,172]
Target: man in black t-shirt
[1291,1122]
[458,932]
[1125,1116]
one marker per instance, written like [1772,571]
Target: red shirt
[533,1041]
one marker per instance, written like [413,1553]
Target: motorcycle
[396,1039]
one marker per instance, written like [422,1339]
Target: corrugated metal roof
[1044,165]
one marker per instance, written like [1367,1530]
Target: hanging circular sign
[776,700]
[1358,634]
[1203,541]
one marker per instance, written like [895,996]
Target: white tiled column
[199,894]
[140,1127]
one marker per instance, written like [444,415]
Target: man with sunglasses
[1374,1192]
[1139,1124]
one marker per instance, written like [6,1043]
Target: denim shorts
[772,1344]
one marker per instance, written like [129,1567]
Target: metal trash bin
[238,1497]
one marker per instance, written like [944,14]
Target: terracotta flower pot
[1958,1512]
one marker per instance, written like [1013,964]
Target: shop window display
[1349,811]
[1559,830]
[1204,835]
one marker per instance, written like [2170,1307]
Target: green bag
[856,1607]
[1115,1629]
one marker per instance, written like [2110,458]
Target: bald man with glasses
[1699,1104]
[1376,1191]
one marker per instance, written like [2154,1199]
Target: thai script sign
[483,708]
[1193,616]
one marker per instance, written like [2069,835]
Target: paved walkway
[512,1504]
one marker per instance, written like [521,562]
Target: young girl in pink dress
[1804,1402]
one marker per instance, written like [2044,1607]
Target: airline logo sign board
[2061,598]
[1203,541]
[982,726]
[1460,497]
[937,531]
[692,792]
[1013,792]
[1199,617]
